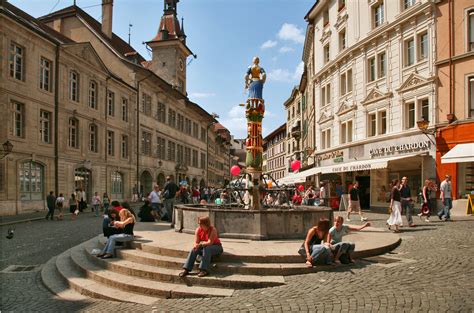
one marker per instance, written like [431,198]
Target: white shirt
[322,192]
[95,200]
[445,188]
[155,197]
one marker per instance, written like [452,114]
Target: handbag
[425,209]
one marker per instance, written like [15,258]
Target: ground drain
[20,268]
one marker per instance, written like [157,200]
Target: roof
[169,24]
[294,92]
[275,132]
[116,42]
[32,23]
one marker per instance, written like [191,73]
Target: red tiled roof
[116,42]
[170,23]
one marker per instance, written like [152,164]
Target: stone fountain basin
[274,223]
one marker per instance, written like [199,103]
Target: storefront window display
[465,179]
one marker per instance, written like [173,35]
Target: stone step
[245,268]
[79,282]
[225,257]
[58,284]
[221,280]
[142,286]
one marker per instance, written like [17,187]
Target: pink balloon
[235,170]
[295,165]
[301,188]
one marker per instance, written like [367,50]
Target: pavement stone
[433,273]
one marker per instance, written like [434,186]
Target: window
[326,17]
[470,31]
[73,138]
[180,122]
[18,117]
[93,136]
[124,110]
[372,69]
[345,82]
[342,4]
[425,109]
[372,124]
[146,143]
[160,148]
[31,176]
[328,94]
[45,74]
[326,139]
[74,86]
[17,61]
[195,158]
[195,130]
[203,134]
[346,132]
[117,185]
[378,13]
[470,99]
[382,64]
[423,46]
[326,53]
[110,143]
[146,104]
[187,156]
[409,52]
[180,154]
[93,94]
[349,80]
[161,112]
[171,151]
[203,160]
[45,126]
[410,115]
[110,103]
[188,126]
[172,118]
[408,3]
[124,147]
[342,40]
[382,120]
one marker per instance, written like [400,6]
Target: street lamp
[214,116]
[7,148]
[423,127]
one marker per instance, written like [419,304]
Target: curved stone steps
[142,286]
[79,282]
[284,269]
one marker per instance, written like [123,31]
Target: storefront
[375,165]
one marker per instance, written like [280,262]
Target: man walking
[169,193]
[446,198]
[155,200]
[354,202]
[51,203]
[406,201]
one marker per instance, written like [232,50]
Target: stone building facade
[274,153]
[111,123]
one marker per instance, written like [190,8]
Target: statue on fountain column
[254,79]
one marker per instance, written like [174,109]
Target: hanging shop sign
[400,148]
[331,155]
[338,159]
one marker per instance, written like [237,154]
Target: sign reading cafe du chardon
[400,148]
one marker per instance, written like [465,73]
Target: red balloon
[235,170]
[295,165]
[301,188]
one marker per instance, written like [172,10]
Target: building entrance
[364,187]
[82,180]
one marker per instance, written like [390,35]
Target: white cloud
[201,94]
[286,49]
[268,44]
[284,75]
[291,32]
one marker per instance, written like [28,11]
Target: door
[364,187]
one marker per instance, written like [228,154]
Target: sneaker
[348,219]
[363,219]
[427,220]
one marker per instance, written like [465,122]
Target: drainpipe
[56,122]
[107,134]
[451,69]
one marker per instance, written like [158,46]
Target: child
[342,249]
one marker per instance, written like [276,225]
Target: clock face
[181,64]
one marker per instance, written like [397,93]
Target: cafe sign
[400,148]
[331,155]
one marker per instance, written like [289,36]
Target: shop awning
[363,165]
[299,177]
[463,152]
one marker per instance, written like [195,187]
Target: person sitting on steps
[314,249]
[206,244]
[343,250]
[127,222]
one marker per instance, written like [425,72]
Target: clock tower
[169,50]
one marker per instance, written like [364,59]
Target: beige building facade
[274,153]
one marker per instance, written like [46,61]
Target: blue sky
[225,35]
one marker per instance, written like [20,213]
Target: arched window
[31,176]
[117,185]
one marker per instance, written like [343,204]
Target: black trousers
[50,213]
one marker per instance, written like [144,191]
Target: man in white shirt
[155,199]
[446,198]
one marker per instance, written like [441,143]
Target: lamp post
[214,116]
[7,148]
[423,127]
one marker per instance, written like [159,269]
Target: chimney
[107,9]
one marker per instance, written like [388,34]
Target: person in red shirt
[206,244]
